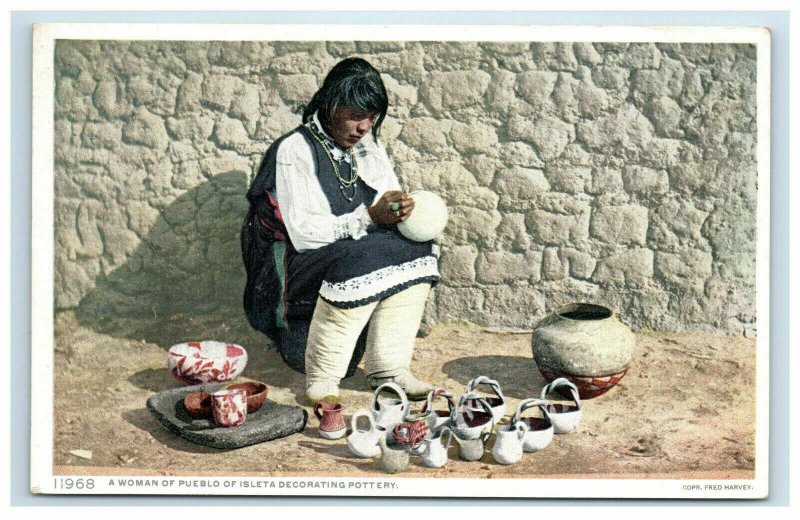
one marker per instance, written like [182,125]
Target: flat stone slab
[272,421]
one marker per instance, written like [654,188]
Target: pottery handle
[359,413]
[522,429]
[439,392]
[483,380]
[393,387]
[562,381]
[317,406]
[526,404]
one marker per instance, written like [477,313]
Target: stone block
[457,303]
[626,128]
[641,56]
[189,94]
[247,104]
[586,53]
[621,225]
[554,55]
[297,88]
[632,268]
[580,264]
[645,181]
[400,95]
[675,222]
[196,128]
[471,225]
[610,77]
[548,134]
[219,90]
[520,183]
[500,94]
[146,129]
[473,196]
[686,270]
[483,167]
[455,90]
[730,228]
[230,133]
[665,114]
[109,98]
[512,233]
[552,266]
[516,153]
[474,138]
[606,180]
[558,228]
[518,306]
[457,265]
[495,267]
[570,179]
[101,135]
[536,86]
[426,134]
[180,151]
[667,80]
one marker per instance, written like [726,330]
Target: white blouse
[304,206]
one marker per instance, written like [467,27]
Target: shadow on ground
[518,376]
[142,420]
[185,280]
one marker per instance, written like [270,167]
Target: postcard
[401,261]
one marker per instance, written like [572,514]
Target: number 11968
[74,483]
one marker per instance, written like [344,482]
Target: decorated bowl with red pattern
[197,362]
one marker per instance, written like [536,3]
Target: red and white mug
[229,407]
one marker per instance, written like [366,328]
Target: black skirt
[351,273]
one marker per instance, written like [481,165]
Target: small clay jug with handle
[565,417]
[435,446]
[390,412]
[498,402]
[331,420]
[394,459]
[508,442]
[438,418]
[472,417]
[471,450]
[364,443]
[540,429]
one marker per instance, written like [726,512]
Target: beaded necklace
[343,183]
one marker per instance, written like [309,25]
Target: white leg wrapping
[393,330]
[332,339]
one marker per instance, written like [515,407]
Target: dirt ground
[686,409]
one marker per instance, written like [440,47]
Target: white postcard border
[42,313]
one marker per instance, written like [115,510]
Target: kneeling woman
[328,191]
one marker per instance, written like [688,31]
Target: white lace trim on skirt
[376,282]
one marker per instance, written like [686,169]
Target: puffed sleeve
[305,210]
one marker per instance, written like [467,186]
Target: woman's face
[349,125]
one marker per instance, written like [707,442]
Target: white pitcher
[364,443]
[540,430]
[389,413]
[508,443]
[434,452]
[476,418]
[565,417]
[438,418]
[498,403]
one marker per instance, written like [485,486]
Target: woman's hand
[393,207]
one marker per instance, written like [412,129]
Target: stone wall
[618,173]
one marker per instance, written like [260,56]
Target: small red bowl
[198,405]
[256,394]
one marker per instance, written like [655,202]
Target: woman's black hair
[353,83]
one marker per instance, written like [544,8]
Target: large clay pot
[584,343]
